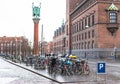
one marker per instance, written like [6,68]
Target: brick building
[92,27]
[15,46]
[49,47]
[43,47]
[59,40]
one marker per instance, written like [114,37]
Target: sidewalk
[111,62]
[59,78]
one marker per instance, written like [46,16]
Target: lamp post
[115,51]
[11,50]
[11,47]
[30,53]
[16,48]
[20,58]
[6,48]
[64,44]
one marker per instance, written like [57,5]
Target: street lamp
[30,53]
[16,48]
[64,44]
[115,51]
[20,51]
[11,47]
[40,43]
[86,26]
[6,47]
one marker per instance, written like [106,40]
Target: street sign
[101,68]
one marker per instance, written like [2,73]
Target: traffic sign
[101,67]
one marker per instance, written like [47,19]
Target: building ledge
[112,27]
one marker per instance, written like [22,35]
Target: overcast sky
[16,17]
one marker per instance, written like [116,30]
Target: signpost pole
[101,70]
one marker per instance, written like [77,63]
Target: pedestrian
[30,59]
[20,59]
[85,55]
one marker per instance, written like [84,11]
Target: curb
[33,71]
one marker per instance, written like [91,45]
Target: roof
[112,7]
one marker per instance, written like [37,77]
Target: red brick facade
[15,46]
[49,47]
[89,29]
[36,34]
[59,40]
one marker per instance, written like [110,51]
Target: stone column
[36,31]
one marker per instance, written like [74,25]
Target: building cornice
[78,6]
[79,13]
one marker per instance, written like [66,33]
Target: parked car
[2,54]
[73,56]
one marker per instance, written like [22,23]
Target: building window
[88,34]
[113,17]
[88,44]
[85,45]
[93,21]
[1,48]
[75,38]
[82,36]
[72,29]
[79,37]
[92,33]
[82,46]
[82,25]
[85,22]
[85,35]
[67,30]
[89,21]
[79,46]
[67,43]
[75,27]
[93,44]
[75,46]
[1,44]
[79,25]
[64,39]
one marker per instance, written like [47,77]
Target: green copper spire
[112,7]
[62,21]
[36,10]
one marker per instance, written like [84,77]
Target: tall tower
[36,19]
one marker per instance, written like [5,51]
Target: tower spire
[36,18]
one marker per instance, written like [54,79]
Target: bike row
[67,66]
[60,65]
